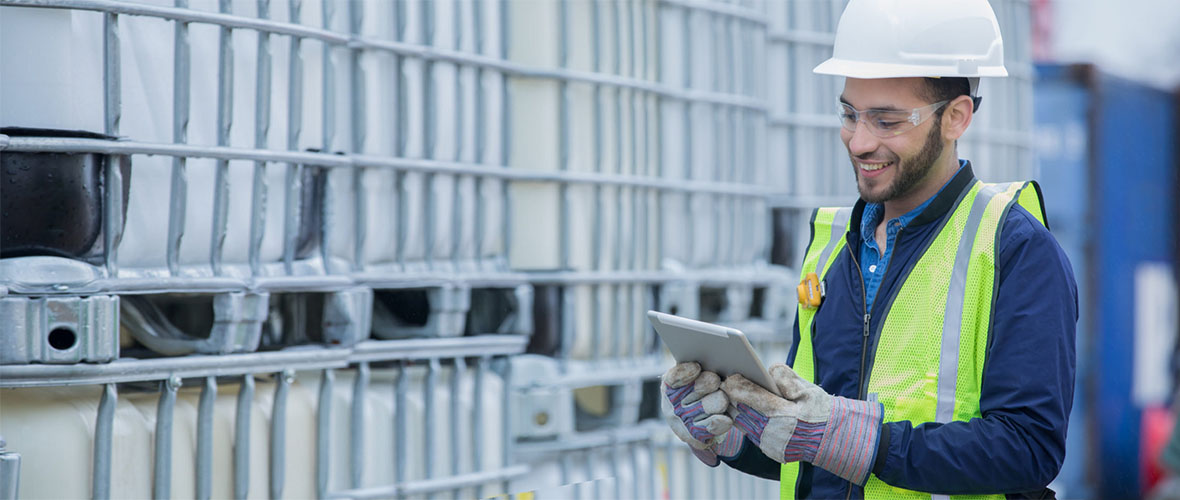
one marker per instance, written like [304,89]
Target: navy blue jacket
[1028,375]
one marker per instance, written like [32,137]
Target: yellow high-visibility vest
[929,358]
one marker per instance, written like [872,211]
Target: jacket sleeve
[751,460]
[1027,387]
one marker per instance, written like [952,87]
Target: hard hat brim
[868,70]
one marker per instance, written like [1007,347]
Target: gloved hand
[835,433]
[696,411]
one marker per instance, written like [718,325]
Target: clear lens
[885,123]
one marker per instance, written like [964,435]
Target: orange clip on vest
[811,292]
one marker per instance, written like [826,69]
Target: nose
[861,141]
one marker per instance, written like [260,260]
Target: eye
[886,124]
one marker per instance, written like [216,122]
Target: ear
[956,116]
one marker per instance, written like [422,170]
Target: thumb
[788,383]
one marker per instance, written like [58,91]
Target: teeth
[873,167]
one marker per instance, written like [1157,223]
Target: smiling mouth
[873,167]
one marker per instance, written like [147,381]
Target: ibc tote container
[294,206]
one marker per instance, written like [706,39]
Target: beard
[910,172]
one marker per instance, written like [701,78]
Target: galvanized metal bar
[505,135]
[506,416]
[482,197]
[589,466]
[61,145]
[356,78]
[225,99]
[9,472]
[112,112]
[457,374]
[328,134]
[429,134]
[400,135]
[564,138]
[323,434]
[112,74]
[292,206]
[653,483]
[112,214]
[564,464]
[162,458]
[278,433]
[139,370]
[457,214]
[262,93]
[100,486]
[204,465]
[178,197]
[410,50]
[477,418]
[401,433]
[720,9]
[428,410]
[356,428]
[242,437]
[616,471]
[426,487]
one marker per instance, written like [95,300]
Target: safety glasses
[886,122]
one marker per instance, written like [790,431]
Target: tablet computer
[722,350]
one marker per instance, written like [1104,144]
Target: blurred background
[375,248]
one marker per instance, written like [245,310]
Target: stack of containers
[321,195]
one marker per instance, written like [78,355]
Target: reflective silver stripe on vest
[948,365]
[839,225]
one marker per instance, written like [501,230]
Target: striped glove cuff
[849,441]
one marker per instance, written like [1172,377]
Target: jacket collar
[943,202]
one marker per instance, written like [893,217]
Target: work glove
[696,412]
[806,424]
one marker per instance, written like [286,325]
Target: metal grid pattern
[622,155]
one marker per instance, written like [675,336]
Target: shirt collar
[874,212]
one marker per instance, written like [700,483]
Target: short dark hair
[945,89]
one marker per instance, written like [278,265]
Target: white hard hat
[917,38]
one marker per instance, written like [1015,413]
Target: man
[934,344]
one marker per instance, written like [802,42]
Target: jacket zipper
[864,343]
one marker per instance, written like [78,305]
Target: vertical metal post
[564,137]
[162,458]
[262,93]
[278,433]
[429,133]
[400,430]
[690,174]
[9,473]
[457,375]
[429,415]
[506,419]
[225,106]
[204,463]
[589,466]
[505,134]
[400,138]
[112,112]
[103,428]
[178,200]
[481,195]
[457,213]
[292,203]
[327,228]
[596,236]
[323,431]
[356,77]
[242,438]
[356,428]
[477,419]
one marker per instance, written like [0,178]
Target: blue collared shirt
[872,261]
